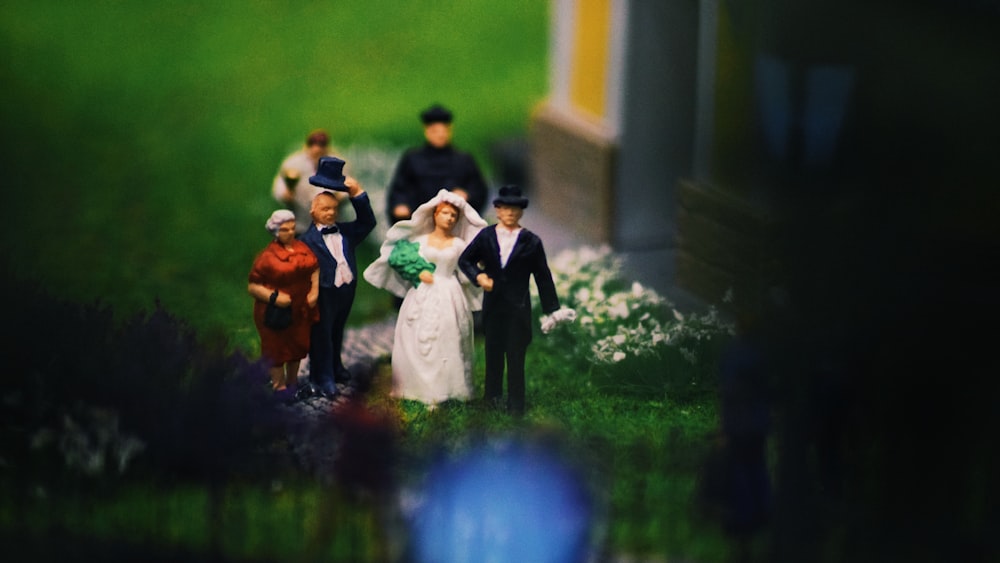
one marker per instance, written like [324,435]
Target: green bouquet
[405,258]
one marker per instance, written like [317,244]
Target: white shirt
[507,240]
[335,244]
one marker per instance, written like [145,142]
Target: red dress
[291,272]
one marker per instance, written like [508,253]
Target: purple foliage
[201,412]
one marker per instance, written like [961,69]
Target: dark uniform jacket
[424,170]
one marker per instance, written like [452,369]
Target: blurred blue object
[503,503]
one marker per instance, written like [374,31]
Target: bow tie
[329,230]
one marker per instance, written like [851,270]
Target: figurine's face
[438,134]
[445,218]
[509,215]
[315,150]
[324,209]
[286,232]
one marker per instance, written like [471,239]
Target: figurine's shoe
[328,391]
[305,391]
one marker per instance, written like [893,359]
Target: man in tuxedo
[334,245]
[500,259]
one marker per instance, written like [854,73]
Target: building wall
[617,133]
[573,144]
[658,118]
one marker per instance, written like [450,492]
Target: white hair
[277,219]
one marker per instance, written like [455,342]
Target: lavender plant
[101,398]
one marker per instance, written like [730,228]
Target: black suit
[424,170]
[507,309]
[327,335]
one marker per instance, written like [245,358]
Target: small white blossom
[607,324]
[618,311]
[636,289]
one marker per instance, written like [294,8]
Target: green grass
[640,455]
[240,522]
[142,140]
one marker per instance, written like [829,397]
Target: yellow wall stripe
[590,56]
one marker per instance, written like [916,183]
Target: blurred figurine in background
[291,186]
[334,245]
[501,259]
[432,350]
[285,275]
[424,170]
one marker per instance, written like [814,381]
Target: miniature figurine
[424,170]
[290,185]
[500,260]
[432,352]
[334,245]
[286,273]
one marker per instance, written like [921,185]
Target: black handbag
[277,318]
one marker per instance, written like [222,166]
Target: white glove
[562,315]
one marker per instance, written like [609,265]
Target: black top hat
[511,195]
[330,174]
[435,114]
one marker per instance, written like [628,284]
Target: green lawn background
[141,139]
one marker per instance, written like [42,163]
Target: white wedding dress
[433,349]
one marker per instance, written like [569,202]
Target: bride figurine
[432,350]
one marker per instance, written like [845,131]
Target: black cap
[511,195]
[435,114]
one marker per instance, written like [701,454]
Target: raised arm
[365,221]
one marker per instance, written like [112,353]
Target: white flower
[618,356]
[678,315]
[636,289]
[618,311]
[618,339]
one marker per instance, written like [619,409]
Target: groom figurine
[500,259]
[334,245]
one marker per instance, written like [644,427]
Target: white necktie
[335,243]
[506,239]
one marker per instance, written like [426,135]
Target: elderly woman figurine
[432,349]
[285,273]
